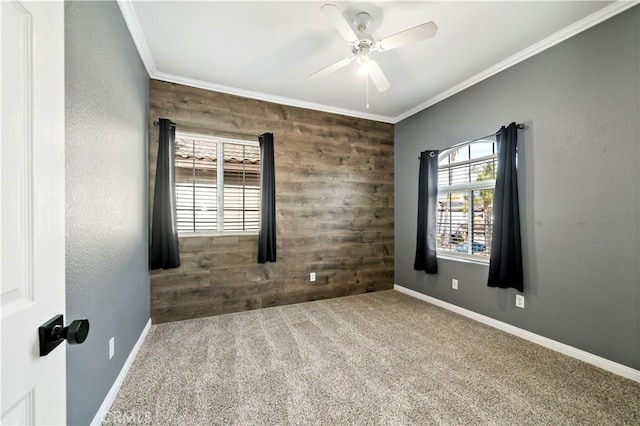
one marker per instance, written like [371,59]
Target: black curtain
[426,259]
[505,267]
[164,234]
[267,235]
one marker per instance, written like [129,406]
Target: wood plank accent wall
[334,209]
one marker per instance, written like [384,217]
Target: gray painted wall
[580,181]
[107,101]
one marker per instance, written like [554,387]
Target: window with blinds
[217,184]
[466,181]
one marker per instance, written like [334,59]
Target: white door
[32,205]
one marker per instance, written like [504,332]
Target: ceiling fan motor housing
[365,41]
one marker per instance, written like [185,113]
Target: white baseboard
[587,357]
[113,392]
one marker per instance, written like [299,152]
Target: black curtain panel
[426,259]
[267,235]
[505,267]
[164,234]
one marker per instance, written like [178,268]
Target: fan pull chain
[367,91]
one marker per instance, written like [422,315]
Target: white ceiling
[266,50]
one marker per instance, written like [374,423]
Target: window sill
[217,234]
[463,259]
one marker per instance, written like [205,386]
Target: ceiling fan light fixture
[364,69]
[363,56]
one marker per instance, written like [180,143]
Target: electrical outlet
[312,276]
[454,284]
[520,301]
[112,347]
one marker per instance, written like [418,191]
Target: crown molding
[131,19]
[171,78]
[133,23]
[584,24]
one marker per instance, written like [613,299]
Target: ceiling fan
[363,44]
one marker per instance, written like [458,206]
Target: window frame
[469,188]
[219,141]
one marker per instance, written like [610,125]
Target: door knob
[75,333]
[53,332]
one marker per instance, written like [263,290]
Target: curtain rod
[209,130]
[519,126]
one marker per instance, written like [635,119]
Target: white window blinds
[217,184]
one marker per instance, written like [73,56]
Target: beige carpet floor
[374,359]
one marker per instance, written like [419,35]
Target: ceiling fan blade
[419,33]
[331,68]
[339,22]
[378,77]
